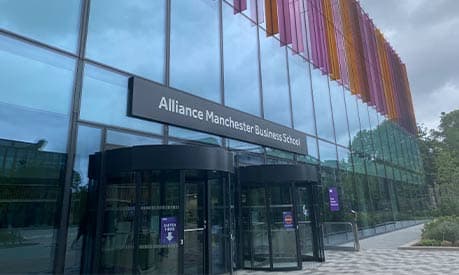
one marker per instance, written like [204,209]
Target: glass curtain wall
[35,107]
[184,46]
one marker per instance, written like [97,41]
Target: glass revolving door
[270,220]
[157,213]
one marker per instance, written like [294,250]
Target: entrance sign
[169,230]
[334,201]
[288,219]
[155,102]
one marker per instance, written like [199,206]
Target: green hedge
[442,230]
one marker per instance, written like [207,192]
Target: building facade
[328,94]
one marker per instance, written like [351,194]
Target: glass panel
[300,86]
[327,154]
[88,142]
[276,99]
[255,229]
[35,101]
[194,223]
[104,100]
[304,218]
[376,133]
[159,204]
[219,223]
[283,231]
[313,152]
[240,52]
[194,135]
[52,22]
[133,31]
[243,146]
[344,159]
[195,48]
[125,139]
[339,113]
[117,241]
[366,137]
[322,106]
[353,117]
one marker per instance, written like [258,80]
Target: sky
[425,33]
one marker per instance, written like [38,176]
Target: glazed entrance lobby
[176,209]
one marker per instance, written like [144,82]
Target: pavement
[380,255]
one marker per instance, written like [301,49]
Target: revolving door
[162,209]
[279,216]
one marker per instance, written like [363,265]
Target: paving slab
[380,255]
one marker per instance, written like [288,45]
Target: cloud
[425,35]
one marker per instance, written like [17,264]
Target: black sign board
[152,101]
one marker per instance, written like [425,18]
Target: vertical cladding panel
[312,31]
[344,77]
[342,42]
[323,43]
[412,117]
[384,75]
[362,78]
[391,72]
[331,40]
[257,11]
[349,45]
[380,105]
[239,6]
[296,26]
[272,26]
[283,13]
[366,58]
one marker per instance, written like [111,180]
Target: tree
[440,155]
[448,131]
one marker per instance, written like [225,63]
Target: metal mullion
[260,86]
[295,202]
[222,63]
[137,219]
[207,214]
[231,219]
[311,92]
[61,239]
[331,110]
[167,61]
[292,123]
[181,221]
[268,223]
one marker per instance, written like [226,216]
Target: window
[88,143]
[322,107]
[276,99]
[104,100]
[240,53]
[35,102]
[53,22]
[300,85]
[195,48]
[129,35]
[339,113]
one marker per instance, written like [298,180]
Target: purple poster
[288,219]
[169,230]
[334,202]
